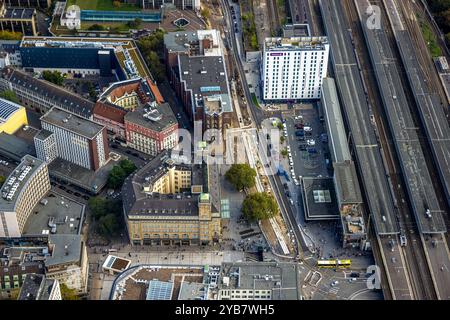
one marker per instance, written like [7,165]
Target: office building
[158,4]
[151,129]
[259,281]
[169,203]
[196,67]
[22,190]
[12,116]
[61,258]
[38,287]
[46,147]
[78,140]
[11,53]
[294,68]
[22,20]
[110,116]
[41,96]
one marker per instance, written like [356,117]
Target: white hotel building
[294,68]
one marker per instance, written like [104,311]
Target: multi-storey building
[21,20]
[259,281]
[197,70]
[46,147]
[38,287]
[110,116]
[60,257]
[157,4]
[151,129]
[41,96]
[294,68]
[22,190]
[78,140]
[169,203]
[12,116]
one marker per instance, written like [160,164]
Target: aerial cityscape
[231,150]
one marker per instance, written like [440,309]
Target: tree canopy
[259,206]
[9,95]
[119,173]
[55,77]
[107,214]
[152,48]
[241,176]
[67,293]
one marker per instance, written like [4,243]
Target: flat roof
[347,184]
[204,75]
[279,277]
[295,43]
[319,199]
[66,213]
[15,148]
[115,263]
[335,123]
[18,14]
[161,117]
[66,249]
[17,180]
[72,122]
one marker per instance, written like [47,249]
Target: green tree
[156,68]
[284,153]
[108,225]
[9,95]
[128,166]
[55,77]
[241,176]
[117,4]
[9,35]
[2,180]
[116,177]
[259,206]
[67,293]
[205,13]
[97,206]
[96,27]
[135,23]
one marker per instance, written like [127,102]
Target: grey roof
[335,124]
[16,182]
[175,41]
[212,81]
[43,134]
[57,95]
[159,290]
[281,278]
[320,201]
[36,287]
[347,185]
[165,117]
[71,122]
[15,148]
[191,291]
[67,249]
[136,202]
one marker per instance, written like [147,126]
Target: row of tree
[119,173]
[152,48]
[256,206]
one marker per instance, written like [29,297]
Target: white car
[307,129]
[311,142]
[288,149]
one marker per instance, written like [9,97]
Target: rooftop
[66,249]
[203,75]
[36,287]
[18,13]
[15,148]
[116,264]
[296,43]
[155,117]
[7,109]
[280,278]
[319,199]
[47,90]
[217,104]
[347,185]
[16,181]
[55,211]
[72,122]
[191,42]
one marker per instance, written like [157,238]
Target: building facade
[22,190]
[294,68]
[151,129]
[80,141]
[167,203]
[46,147]
[41,96]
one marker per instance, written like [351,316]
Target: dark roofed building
[38,287]
[21,20]
[151,129]
[164,203]
[41,95]
[111,116]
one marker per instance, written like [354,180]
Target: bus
[342,264]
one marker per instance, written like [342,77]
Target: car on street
[311,142]
[307,129]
